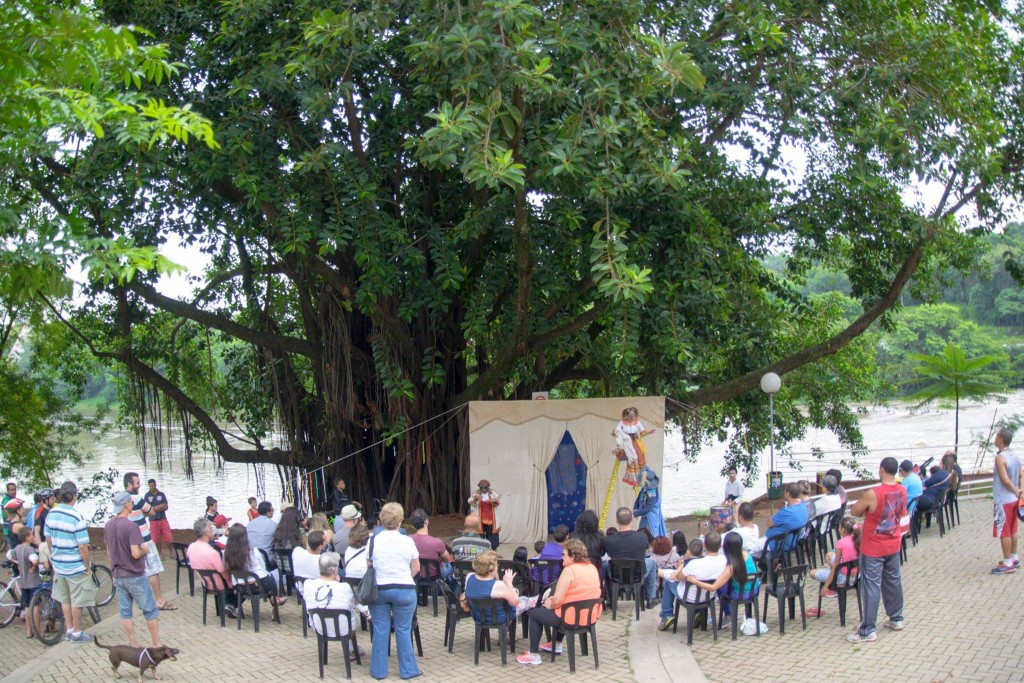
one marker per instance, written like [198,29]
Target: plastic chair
[248,586]
[952,507]
[786,584]
[181,562]
[353,584]
[626,575]
[213,582]
[848,569]
[333,618]
[487,614]
[747,599]
[574,616]
[452,615]
[703,601]
[285,571]
[544,572]
[523,581]
[428,580]
[299,585]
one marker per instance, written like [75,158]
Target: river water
[895,430]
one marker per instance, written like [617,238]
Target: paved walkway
[963,624]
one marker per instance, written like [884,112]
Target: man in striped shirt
[140,511]
[68,539]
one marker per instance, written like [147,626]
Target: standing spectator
[430,547]
[355,554]
[339,498]
[202,555]
[159,527]
[306,560]
[12,522]
[484,503]
[343,524]
[632,545]
[471,543]
[252,511]
[1007,489]
[140,511]
[882,508]
[396,561]
[67,538]
[48,498]
[11,493]
[912,483]
[27,559]
[127,553]
[261,530]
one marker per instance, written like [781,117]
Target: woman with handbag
[393,562]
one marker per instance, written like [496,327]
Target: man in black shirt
[339,498]
[632,545]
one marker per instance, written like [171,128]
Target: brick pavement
[962,625]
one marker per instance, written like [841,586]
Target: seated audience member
[935,486]
[538,548]
[552,550]
[692,551]
[847,549]
[679,542]
[239,555]
[830,501]
[840,491]
[747,530]
[585,529]
[791,517]
[261,530]
[202,555]
[328,591]
[472,542]
[663,554]
[306,560]
[579,580]
[806,489]
[628,544]
[349,518]
[355,554]
[483,584]
[911,481]
[288,533]
[738,574]
[319,522]
[706,568]
[429,547]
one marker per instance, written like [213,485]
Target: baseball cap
[221,521]
[121,498]
[350,512]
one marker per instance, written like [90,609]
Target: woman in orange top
[579,580]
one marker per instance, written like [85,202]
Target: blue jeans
[880,581]
[401,604]
[136,588]
[668,598]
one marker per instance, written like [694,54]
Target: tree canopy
[417,204]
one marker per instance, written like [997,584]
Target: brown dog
[142,657]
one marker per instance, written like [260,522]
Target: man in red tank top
[882,508]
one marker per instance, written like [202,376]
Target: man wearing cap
[67,538]
[911,481]
[343,523]
[484,504]
[127,553]
[140,511]
[261,530]
[159,527]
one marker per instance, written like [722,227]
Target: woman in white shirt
[239,555]
[329,592]
[396,561]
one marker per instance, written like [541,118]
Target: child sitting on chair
[847,548]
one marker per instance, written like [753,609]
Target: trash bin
[774,485]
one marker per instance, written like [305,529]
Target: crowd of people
[51,543]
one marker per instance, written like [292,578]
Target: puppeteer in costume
[484,504]
[648,503]
[629,445]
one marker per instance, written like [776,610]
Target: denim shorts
[137,589]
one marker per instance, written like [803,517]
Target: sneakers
[231,611]
[894,625]
[856,637]
[67,636]
[830,594]
[1016,562]
[529,659]
[82,637]
[1003,569]
[546,647]
[666,623]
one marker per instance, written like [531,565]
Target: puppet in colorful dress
[648,504]
[484,504]
[629,442]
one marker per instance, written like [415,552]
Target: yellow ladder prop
[608,494]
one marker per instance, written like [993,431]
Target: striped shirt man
[66,531]
[140,510]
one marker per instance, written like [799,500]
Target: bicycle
[105,588]
[47,615]
[10,597]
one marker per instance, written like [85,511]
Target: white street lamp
[770,384]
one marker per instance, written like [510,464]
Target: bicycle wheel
[9,604]
[47,617]
[104,581]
